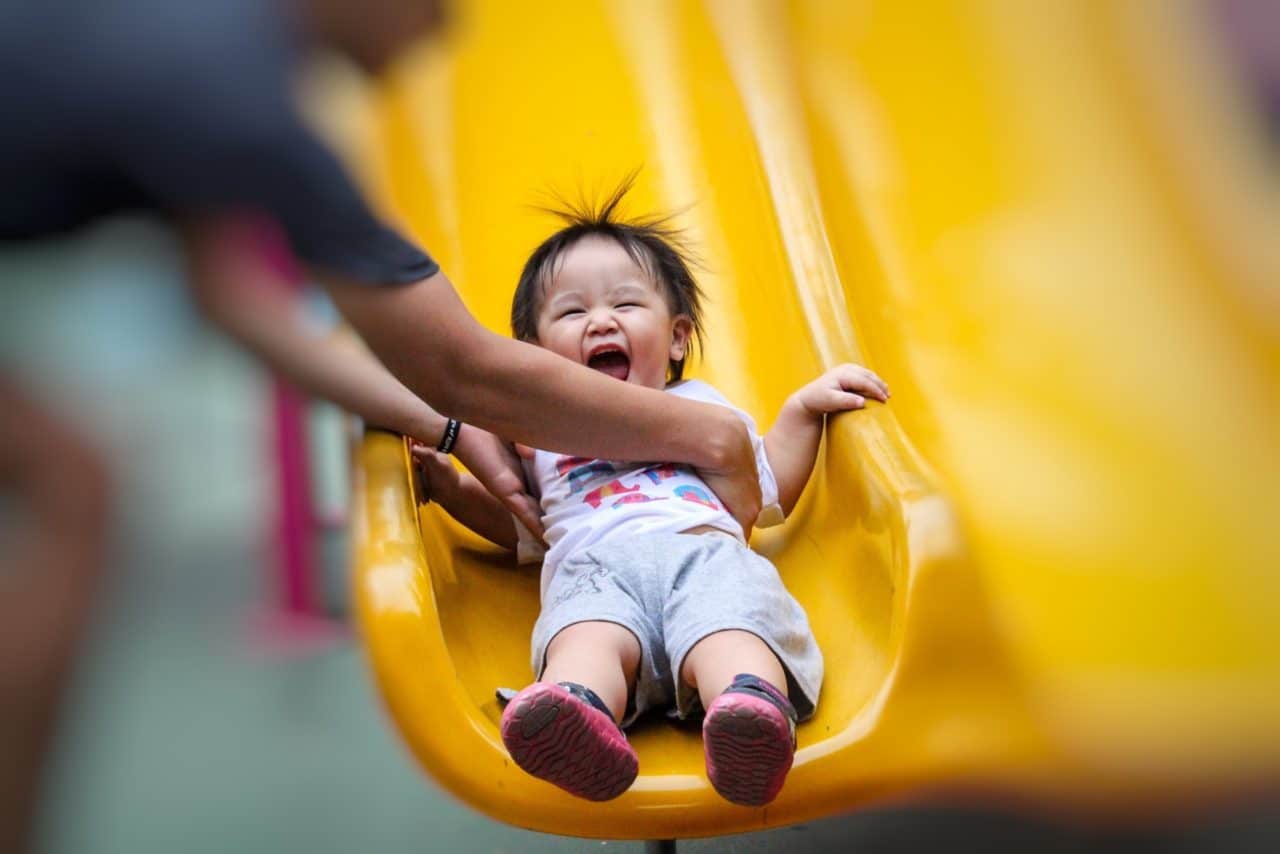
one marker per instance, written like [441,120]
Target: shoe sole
[748,748]
[556,737]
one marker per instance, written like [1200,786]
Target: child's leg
[602,656]
[713,662]
[564,727]
[748,734]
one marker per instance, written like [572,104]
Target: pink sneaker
[749,739]
[565,735]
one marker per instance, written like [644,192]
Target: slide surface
[1049,569]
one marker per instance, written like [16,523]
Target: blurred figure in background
[1252,30]
[184,109]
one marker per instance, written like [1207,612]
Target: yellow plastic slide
[1049,570]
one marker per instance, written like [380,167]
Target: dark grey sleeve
[288,173]
[230,139]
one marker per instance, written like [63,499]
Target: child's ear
[680,332]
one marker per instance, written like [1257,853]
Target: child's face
[602,310]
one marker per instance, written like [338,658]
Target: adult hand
[734,479]
[495,464]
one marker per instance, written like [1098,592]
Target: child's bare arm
[464,498]
[792,444]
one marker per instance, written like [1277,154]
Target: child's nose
[601,320]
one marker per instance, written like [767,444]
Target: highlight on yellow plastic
[1049,569]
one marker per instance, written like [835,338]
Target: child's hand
[438,473]
[842,388]
[792,444]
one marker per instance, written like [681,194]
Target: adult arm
[235,149]
[427,338]
[239,292]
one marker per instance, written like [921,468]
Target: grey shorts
[671,591]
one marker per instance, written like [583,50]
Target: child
[650,594]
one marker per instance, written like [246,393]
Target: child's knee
[597,638]
[729,650]
[727,643]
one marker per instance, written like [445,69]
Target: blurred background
[215,710]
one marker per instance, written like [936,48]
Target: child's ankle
[749,683]
[591,698]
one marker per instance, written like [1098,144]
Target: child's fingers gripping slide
[434,468]
[842,388]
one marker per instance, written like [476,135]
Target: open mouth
[614,363]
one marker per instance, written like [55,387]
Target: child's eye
[570,312]
[629,305]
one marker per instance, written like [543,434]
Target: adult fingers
[526,509]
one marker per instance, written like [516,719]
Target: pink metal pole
[295,515]
[295,521]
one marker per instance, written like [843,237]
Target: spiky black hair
[657,246]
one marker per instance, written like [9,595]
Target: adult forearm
[425,335]
[561,406]
[428,339]
[250,300]
[330,367]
